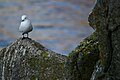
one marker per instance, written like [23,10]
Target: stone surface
[105,19]
[26,59]
[81,61]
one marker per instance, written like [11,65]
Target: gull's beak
[22,20]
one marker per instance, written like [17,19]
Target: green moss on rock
[26,59]
[82,59]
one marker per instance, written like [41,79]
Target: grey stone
[26,59]
[81,61]
[105,18]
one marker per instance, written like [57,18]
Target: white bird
[25,26]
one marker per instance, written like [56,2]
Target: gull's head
[23,17]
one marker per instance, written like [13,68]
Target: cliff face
[26,59]
[104,64]
[105,18]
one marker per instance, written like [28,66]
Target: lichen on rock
[26,59]
[81,61]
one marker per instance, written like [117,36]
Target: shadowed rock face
[26,59]
[81,61]
[105,18]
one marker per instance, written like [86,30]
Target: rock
[105,18]
[81,61]
[26,59]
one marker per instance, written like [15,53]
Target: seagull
[25,26]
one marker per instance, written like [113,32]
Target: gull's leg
[27,35]
[23,35]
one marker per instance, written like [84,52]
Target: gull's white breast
[25,26]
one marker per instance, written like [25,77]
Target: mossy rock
[81,61]
[26,59]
